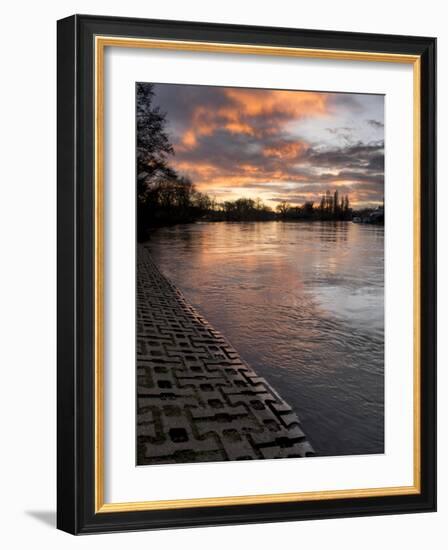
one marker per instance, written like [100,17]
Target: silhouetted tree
[308,210]
[345,207]
[336,206]
[153,144]
[282,208]
[328,204]
[153,150]
[322,206]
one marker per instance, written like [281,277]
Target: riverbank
[197,400]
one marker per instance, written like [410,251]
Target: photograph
[259,273]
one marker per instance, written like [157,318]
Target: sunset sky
[276,145]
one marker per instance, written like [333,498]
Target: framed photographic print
[246,274]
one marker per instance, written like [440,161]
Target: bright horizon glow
[276,145]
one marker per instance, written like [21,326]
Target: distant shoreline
[290,220]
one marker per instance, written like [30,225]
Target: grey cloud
[375,123]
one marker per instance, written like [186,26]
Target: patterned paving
[197,401]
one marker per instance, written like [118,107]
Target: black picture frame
[76,511]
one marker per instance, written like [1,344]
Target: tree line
[165,197]
[331,207]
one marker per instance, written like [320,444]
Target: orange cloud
[266,102]
[286,150]
[206,175]
[189,139]
[246,108]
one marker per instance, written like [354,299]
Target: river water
[303,304]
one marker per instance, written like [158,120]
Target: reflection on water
[303,304]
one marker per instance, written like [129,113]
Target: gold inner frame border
[100,43]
